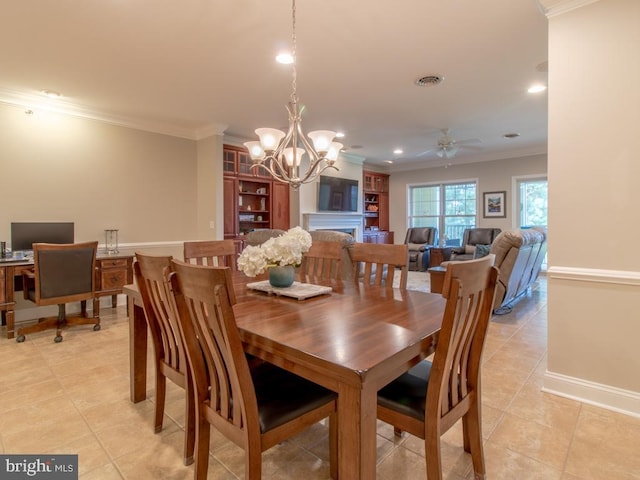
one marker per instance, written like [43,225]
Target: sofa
[418,240]
[261,235]
[470,239]
[346,240]
[518,255]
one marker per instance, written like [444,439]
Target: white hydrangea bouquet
[287,249]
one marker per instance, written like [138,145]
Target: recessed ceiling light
[398,151]
[51,94]
[388,161]
[511,135]
[339,134]
[429,80]
[285,58]
[536,88]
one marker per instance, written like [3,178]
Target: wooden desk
[353,341]
[113,273]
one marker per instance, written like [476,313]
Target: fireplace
[342,222]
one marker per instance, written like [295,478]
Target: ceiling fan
[447,146]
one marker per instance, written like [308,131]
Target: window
[451,208]
[532,201]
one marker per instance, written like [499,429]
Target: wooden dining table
[353,341]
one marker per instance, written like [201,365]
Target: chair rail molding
[619,277]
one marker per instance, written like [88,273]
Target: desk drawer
[110,279]
[113,263]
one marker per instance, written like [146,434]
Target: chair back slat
[220,368]
[469,289]
[376,264]
[151,276]
[322,262]
[214,253]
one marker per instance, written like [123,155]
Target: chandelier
[281,153]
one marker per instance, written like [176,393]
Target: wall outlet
[212,225]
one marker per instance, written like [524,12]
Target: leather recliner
[418,240]
[519,256]
[472,237]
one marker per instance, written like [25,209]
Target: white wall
[307,196]
[63,168]
[594,168]
[491,176]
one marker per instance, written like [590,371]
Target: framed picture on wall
[494,204]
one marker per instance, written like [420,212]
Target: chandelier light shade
[281,153]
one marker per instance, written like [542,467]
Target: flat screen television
[337,194]
[25,234]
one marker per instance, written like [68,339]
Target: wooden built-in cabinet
[376,208]
[252,199]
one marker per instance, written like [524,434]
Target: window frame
[444,228]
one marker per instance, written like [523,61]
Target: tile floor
[73,397]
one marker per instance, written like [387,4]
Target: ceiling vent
[429,80]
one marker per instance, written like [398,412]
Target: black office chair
[62,273]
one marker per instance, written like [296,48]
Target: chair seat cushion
[283,396]
[407,394]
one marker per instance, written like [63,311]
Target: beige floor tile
[106,472]
[505,464]
[542,443]
[75,396]
[91,455]
[163,461]
[123,438]
[531,403]
[605,446]
[43,437]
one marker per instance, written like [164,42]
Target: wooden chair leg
[472,433]
[189,424]
[161,391]
[253,463]
[432,453]
[203,433]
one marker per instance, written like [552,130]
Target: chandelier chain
[294,96]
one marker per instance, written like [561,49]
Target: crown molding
[38,102]
[553,8]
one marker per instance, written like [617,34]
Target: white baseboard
[604,396]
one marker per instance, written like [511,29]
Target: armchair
[472,237]
[62,273]
[418,240]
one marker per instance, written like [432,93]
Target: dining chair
[256,406]
[219,253]
[376,263]
[322,263]
[431,397]
[170,356]
[62,273]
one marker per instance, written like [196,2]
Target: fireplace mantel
[334,221]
